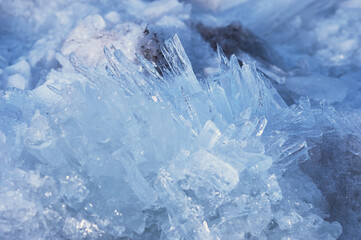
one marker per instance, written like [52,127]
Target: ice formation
[180,119]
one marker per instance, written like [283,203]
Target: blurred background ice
[176,119]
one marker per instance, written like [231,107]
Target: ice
[17,75]
[85,36]
[179,119]
[209,135]
[336,92]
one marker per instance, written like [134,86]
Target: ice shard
[180,120]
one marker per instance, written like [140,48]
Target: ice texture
[180,119]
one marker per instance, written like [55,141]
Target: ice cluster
[173,119]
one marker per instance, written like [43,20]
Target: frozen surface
[180,119]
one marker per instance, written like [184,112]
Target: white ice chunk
[18,81]
[17,75]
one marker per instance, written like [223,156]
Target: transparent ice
[148,120]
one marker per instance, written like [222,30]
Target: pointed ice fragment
[81,68]
[273,72]
[223,60]
[220,102]
[149,67]
[234,63]
[111,59]
[180,65]
[127,74]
